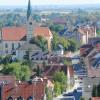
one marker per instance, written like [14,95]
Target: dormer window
[30,98]
[10,98]
[20,98]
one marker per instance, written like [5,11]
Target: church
[14,37]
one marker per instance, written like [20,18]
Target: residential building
[12,90]
[86,32]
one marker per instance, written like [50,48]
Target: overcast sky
[45,2]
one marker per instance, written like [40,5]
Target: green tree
[61,78]
[25,73]
[68,44]
[21,72]
[59,40]
[55,41]
[72,45]
[40,41]
[56,27]
[57,88]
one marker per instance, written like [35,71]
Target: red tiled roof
[17,33]
[24,90]
[42,31]
[13,33]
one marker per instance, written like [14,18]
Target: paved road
[70,96]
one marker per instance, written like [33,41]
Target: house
[11,90]
[13,37]
[86,32]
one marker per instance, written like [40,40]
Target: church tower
[29,22]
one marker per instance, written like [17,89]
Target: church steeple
[29,10]
[29,22]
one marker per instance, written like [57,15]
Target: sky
[47,2]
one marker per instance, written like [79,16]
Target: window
[10,98]
[20,98]
[30,23]
[18,45]
[12,46]
[6,45]
[30,98]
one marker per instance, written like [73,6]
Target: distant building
[86,32]
[14,37]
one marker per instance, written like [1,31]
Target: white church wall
[8,46]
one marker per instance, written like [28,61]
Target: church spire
[29,10]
